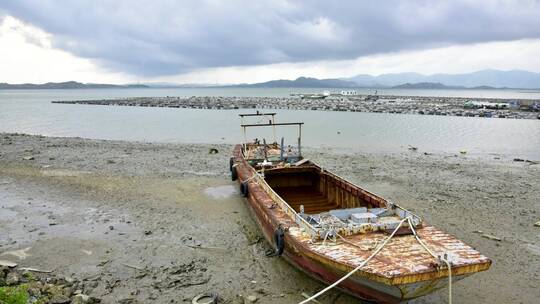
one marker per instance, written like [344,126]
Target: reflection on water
[31,112]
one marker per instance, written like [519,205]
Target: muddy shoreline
[145,222]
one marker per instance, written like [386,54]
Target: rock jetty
[445,106]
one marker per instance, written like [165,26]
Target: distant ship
[322,95]
[373,97]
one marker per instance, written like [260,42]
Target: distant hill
[426,85]
[65,85]
[303,82]
[483,78]
[440,86]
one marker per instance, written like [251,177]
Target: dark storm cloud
[171,37]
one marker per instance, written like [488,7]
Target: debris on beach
[8,264]
[491,237]
[521,160]
[206,298]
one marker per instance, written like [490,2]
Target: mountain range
[303,82]
[489,78]
[484,79]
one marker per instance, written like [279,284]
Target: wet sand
[141,222]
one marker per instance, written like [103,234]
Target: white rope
[408,219]
[325,236]
[449,280]
[252,177]
[357,268]
[444,259]
[420,241]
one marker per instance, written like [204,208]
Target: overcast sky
[251,41]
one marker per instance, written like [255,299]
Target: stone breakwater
[446,106]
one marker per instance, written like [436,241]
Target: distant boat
[340,233]
[373,97]
[485,105]
[348,93]
[322,95]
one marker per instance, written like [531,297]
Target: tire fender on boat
[231,163]
[279,238]
[234,173]
[244,189]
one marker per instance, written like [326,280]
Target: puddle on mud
[21,254]
[24,220]
[221,191]
[7,214]
[64,173]
[5,181]
[534,249]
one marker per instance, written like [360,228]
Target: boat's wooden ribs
[299,186]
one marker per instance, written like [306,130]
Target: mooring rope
[444,259]
[254,175]
[357,268]
[408,219]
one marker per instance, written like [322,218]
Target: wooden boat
[329,227]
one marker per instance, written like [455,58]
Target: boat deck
[314,201]
[401,261]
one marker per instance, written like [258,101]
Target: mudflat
[145,222]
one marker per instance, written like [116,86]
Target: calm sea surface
[30,111]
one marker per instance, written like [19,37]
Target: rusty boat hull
[402,270]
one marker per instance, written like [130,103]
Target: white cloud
[509,55]
[321,29]
[27,55]
[167,37]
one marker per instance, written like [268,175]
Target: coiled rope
[408,219]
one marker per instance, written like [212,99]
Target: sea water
[31,111]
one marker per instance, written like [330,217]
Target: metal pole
[300,140]
[245,140]
[282,148]
[274,129]
[243,132]
[264,143]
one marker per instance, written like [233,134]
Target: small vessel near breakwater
[340,233]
